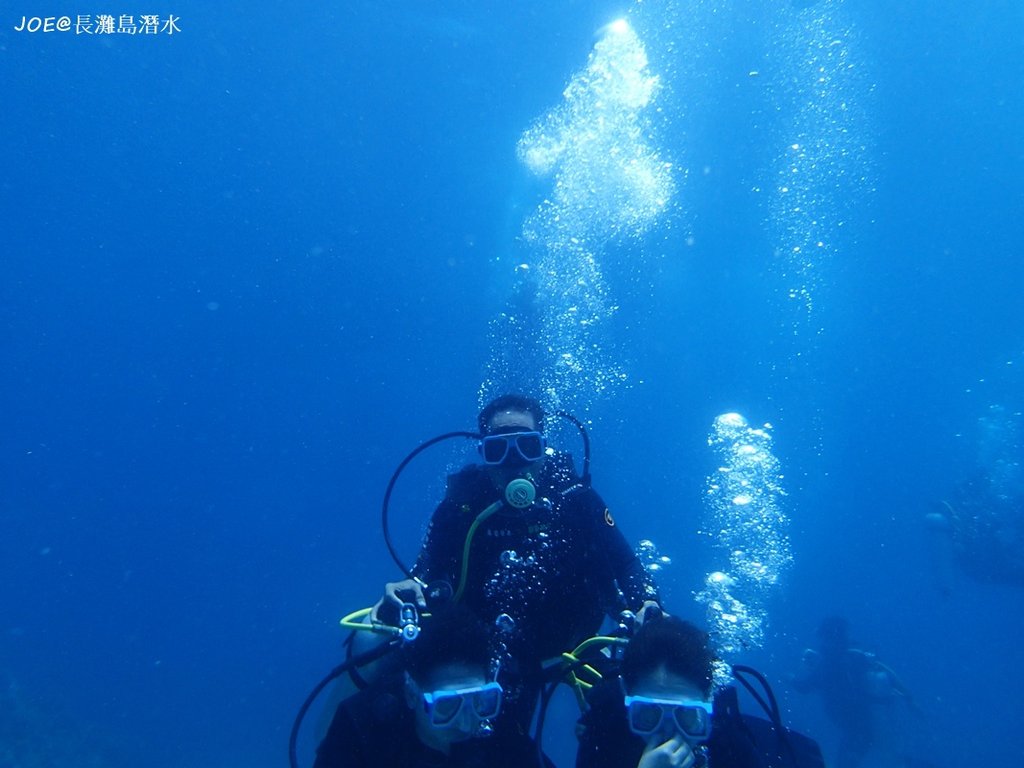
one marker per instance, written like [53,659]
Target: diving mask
[690,717]
[474,704]
[519,447]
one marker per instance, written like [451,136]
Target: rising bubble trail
[744,516]
[608,184]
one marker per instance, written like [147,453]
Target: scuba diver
[661,711]
[856,689]
[436,711]
[980,529]
[530,547]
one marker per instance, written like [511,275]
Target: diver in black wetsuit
[434,712]
[525,543]
[659,711]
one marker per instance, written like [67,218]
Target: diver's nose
[467,722]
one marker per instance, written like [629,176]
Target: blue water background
[248,267]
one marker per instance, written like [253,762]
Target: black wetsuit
[374,728]
[737,740]
[556,568]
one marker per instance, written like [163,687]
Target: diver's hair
[511,402]
[679,646]
[451,634]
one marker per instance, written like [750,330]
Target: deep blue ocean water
[248,266]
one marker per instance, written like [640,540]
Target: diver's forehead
[512,418]
[663,684]
[455,675]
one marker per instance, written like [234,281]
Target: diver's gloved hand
[398,592]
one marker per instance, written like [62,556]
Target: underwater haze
[252,256]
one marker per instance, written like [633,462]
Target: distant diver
[857,690]
[980,531]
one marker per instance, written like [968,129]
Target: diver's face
[667,686]
[440,733]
